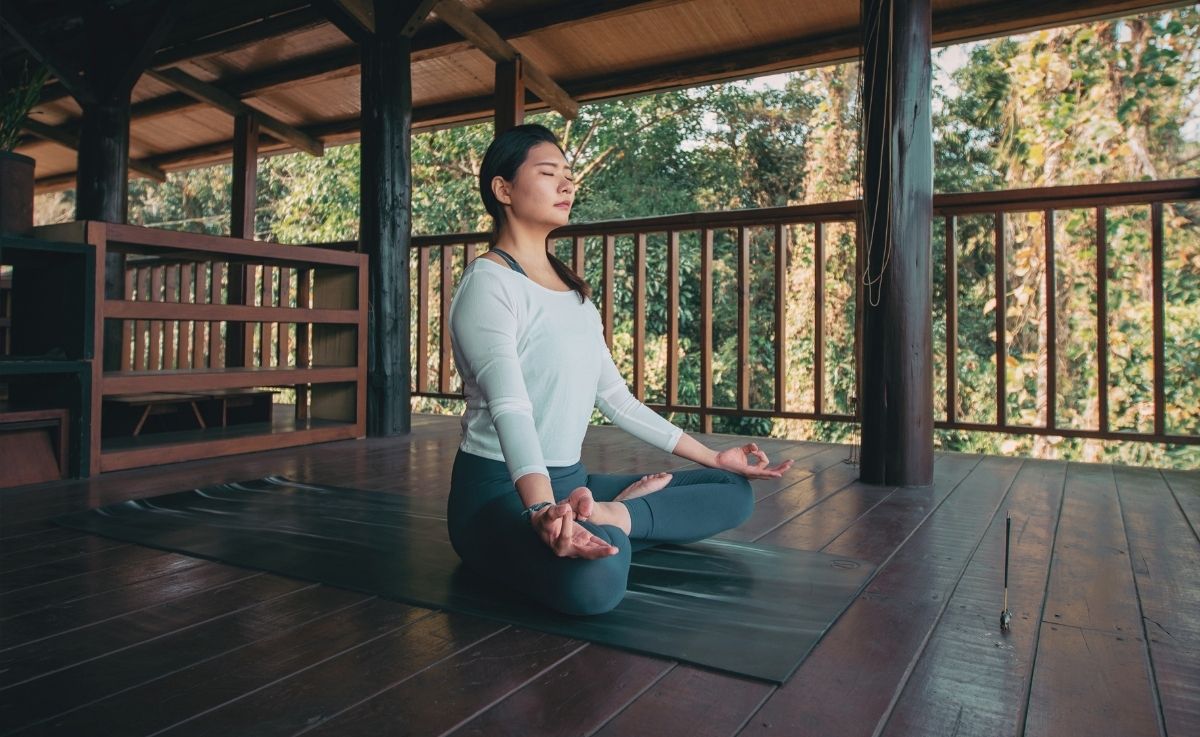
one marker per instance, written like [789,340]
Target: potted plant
[16,170]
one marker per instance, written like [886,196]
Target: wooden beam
[479,33]
[385,230]
[510,94]
[351,17]
[222,100]
[68,70]
[245,173]
[897,339]
[68,139]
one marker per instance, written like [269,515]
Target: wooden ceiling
[291,63]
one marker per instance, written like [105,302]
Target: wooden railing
[802,234]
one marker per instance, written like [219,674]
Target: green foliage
[17,98]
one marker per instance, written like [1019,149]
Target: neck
[527,244]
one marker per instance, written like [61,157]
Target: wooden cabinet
[302,315]
[48,294]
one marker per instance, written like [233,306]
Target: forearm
[534,488]
[693,450]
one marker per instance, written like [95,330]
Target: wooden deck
[98,637]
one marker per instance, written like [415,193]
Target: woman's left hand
[735,459]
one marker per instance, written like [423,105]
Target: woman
[529,345]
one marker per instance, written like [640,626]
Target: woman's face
[542,190]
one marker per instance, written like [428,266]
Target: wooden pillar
[510,94]
[897,346]
[386,219]
[239,341]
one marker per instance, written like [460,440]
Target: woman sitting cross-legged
[529,344]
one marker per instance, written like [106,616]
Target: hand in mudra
[735,459]
[558,527]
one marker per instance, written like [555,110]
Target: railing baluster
[781,304]
[743,341]
[285,300]
[141,327]
[265,292]
[171,327]
[1051,307]
[1001,331]
[444,319]
[303,299]
[1159,311]
[577,255]
[609,247]
[672,318]
[421,359]
[1102,315]
[127,326]
[818,317]
[951,262]
[215,358]
[154,361]
[198,273]
[639,316]
[706,348]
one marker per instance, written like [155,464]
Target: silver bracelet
[534,508]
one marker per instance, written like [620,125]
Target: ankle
[615,514]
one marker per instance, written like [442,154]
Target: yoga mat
[751,610]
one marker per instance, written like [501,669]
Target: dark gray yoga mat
[748,609]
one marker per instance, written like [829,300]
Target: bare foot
[646,485]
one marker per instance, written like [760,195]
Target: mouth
[564,205]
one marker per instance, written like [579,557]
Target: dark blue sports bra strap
[511,261]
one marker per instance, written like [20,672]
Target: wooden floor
[99,637]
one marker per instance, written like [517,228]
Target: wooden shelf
[191,380]
[206,313]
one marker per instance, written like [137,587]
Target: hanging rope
[873,281]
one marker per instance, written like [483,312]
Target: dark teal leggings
[490,535]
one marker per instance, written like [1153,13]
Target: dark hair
[504,156]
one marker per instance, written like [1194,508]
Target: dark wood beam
[385,229]
[485,38]
[239,341]
[897,343]
[510,94]
[69,139]
[67,69]
[351,17]
[222,100]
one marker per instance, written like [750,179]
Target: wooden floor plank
[207,686]
[1091,674]
[110,659]
[781,507]
[307,697]
[146,565]
[971,678]
[1166,566]
[461,686]
[1186,489]
[31,627]
[574,698]
[49,535]
[690,701]
[54,552]
[849,680]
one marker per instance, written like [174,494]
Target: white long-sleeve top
[534,363]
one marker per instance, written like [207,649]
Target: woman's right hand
[558,528]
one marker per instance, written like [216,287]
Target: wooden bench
[159,403]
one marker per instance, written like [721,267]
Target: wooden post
[897,351]
[386,218]
[239,341]
[510,94]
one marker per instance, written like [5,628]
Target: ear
[501,189]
